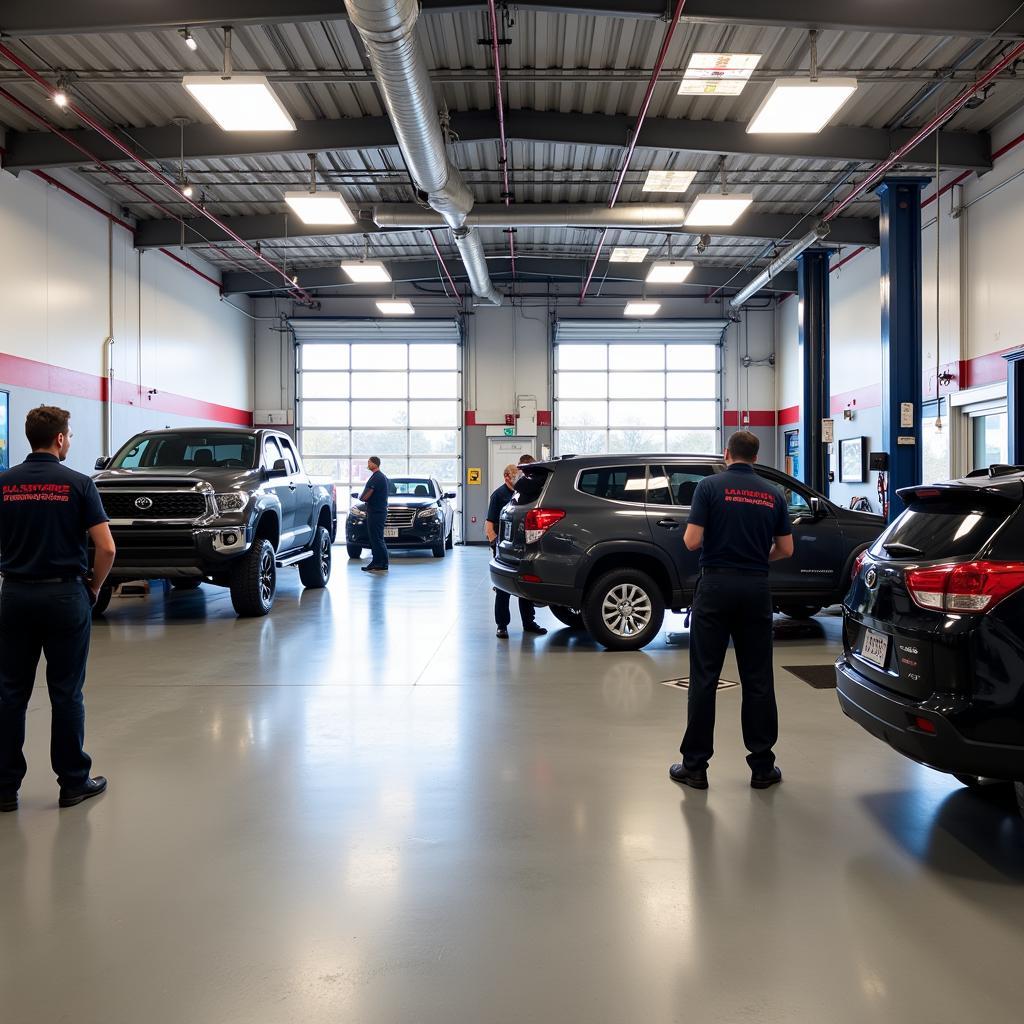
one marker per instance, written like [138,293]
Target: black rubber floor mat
[821,677]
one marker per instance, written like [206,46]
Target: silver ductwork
[638,216]
[388,32]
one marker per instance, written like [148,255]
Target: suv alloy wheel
[624,609]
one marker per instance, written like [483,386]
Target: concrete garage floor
[365,808]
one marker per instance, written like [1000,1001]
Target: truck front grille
[403,518]
[156,505]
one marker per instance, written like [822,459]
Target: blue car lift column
[1015,406]
[902,372]
[812,284]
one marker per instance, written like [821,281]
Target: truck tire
[187,583]
[354,550]
[450,540]
[623,610]
[438,550]
[567,616]
[316,571]
[102,601]
[254,580]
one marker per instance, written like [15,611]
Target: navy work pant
[740,608]
[375,527]
[55,620]
[502,609]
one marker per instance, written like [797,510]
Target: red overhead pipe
[444,267]
[507,194]
[922,133]
[51,90]
[648,96]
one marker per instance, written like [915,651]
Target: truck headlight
[427,513]
[357,513]
[233,502]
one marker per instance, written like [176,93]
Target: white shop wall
[172,332]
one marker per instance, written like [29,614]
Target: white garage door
[380,388]
[622,386]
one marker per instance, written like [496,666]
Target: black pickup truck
[227,506]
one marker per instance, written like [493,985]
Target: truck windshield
[408,487]
[187,450]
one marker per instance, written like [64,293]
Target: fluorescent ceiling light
[669,272]
[396,307]
[669,181]
[717,74]
[366,271]
[320,207]
[641,308]
[717,209]
[241,103]
[799,105]
[625,254]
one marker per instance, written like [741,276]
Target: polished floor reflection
[366,808]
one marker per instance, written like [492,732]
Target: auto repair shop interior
[249,245]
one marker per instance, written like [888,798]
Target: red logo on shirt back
[746,497]
[37,492]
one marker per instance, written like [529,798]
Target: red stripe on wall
[789,416]
[58,380]
[869,397]
[749,417]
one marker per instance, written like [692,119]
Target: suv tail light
[539,520]
[971,588]
[858,563]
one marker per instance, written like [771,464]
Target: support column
[902,370]
[1015,406]
[813,278]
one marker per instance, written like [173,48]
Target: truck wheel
[567,616]
[800,611]
[102,601]
[316,571]
[187,583]
[438,550]
[254,580]
[623,610]
[354,550]
[450,540]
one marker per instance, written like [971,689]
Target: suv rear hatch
[512,526]
[918,592]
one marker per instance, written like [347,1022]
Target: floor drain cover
[684,683]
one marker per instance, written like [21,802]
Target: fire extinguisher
[883,493]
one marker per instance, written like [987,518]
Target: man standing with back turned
[47,512]
[375,498]
[741,523]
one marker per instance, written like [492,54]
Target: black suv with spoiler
[599,538]
[933,638]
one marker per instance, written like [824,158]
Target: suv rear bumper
[888,717]
[506,578]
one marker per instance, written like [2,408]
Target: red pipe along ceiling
[648,96]
[110,137]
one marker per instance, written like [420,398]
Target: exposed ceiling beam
[962,150]
[237,281]
[941,17]
[154,234]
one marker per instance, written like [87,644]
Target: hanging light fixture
[315,207]
[184,185]
[188,39]
[718,209]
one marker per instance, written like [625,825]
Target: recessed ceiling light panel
[320,207]
[669,272]
[717,74]
[627,254]
[241,103]
[396,307]
[366,271]
[800,106]
[669,181]
[641,308]
[715,209]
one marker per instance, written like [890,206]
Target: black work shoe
[762,780]
[501,633]
[532,627]
[695,778]
[91,787]
[366,568]
[8,802]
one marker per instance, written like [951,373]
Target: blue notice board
[5,402]
[793,453]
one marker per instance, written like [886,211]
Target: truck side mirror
[817,508]
[102,463]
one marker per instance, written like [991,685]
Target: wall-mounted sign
[828,431]
[510,432]
[473,475]
[906,414]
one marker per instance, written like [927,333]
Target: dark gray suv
[599,539]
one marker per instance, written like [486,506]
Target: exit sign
[510,431]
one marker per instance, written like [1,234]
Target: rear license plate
[875,648]
[506,531]
[390,532]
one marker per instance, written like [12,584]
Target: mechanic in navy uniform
[502,612]
[741,523]
[375,498]
[47,515]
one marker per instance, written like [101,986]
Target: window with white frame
[637,397]
[399,401]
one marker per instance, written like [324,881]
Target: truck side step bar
[283,563]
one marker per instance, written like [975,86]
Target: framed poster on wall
[792,466]
[853,460]
[5,457]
